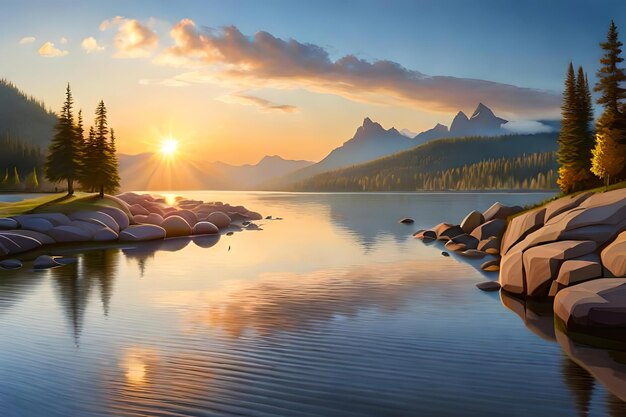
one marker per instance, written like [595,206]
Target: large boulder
[564,204]
[472,221]
[190,217]
[220,219]
[57,219]
[44,262]
[597,305]
[69,234]
[512,273]
[541,263]
[470,242]
[88,227]
[8,224]
[152,218]
[142,232]
[42,238]
[36,224]
[614,257]
[577,270]
[492,228]
[520,226]
[120,217]
[96,217]
[105,235]
[138,209]
[13,243]
[500,211]
[205,228]
[253,215]
[176,226]
[10,264]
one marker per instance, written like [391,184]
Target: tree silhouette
[65,153]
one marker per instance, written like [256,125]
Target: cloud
[228,56]
[27,39]
[528,126]
[133,39]
[90,45]
[63,40]
[49,50]
[261,103]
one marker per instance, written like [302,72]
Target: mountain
[150,171]
[453,163]
[408,133]
[436,132]
[24,118]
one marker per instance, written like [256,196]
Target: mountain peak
[482,110]
[270,158]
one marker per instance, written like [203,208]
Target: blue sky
[524,43]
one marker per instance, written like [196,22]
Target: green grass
[59,203]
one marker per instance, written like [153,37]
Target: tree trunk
[102,191]
[70,186]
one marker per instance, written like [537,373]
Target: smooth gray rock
[97,217]
[69,234]
[42,238]
[406,220]
[176,226]
[44,262]
[120,217]
[220,219]
[142,232]
[57,219]
[12,243]
[36,224]
[10,264]
[205,228]
[8,223]
[105,235]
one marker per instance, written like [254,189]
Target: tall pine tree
[64,153]
[569,134]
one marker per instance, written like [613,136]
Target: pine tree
[608,155]
[113,165]
[610,76]
[64,154]
[570,132]
[585,119]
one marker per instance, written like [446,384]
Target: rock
[470,242]
[229,234]
[473,253]
[12,243]
[406,220]
[444,253]
[564,204]
[491,245]
[520,227]
[36,224]
[8,224]
[205,228]
[253,215]
[10,264]
[492,228]
[40,237]
[456,247]
[57,219]
[491,265]
[88,227]
[176,226]
[105,235]
[488,286]
[218,218]
[597,305]
[69,234]
[512,273]
[574,271]
[142,232]
[499,211]
[97,217]
[137,209]
[472,221]
[190,217]
[541,263]
[450,232]
[268,217]
[152,218]
[44,262]
[120,217]
[154,208]
[614,257]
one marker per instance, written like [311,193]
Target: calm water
[333,311]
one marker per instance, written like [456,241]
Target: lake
[333,311]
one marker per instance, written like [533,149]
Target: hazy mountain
[436,132]
[408,133]
[251,176]
[24,118]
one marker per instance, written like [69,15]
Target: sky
[237,80]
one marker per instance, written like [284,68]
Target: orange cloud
[133,39]
[90,45]
[50,51]
[228,56]
[261,103]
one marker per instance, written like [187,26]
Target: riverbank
[558,250]
[54,220]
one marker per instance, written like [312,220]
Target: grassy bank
[60,203]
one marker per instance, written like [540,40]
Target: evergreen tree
[113,165]
[610,76]
[569,136]
[608,155]
[64,154]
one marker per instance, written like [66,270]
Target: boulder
[253,215]
[492,228]
[599,304]
[541,263]
[218,218]
[154,208]
[137,209]
[614,257]
[577,270]
[69,234]
[446,231]
[520,226]
[17,243]
[490,245]
[488,286]
[120,217]
[96,217]
[491,265]
[105,235]
[406,220]
[500,211]
[190,217]
[57,219]
[36,224]
[88,227]
[472,221]
[470,242]
[473,253]
[152,218]
[40,237]
[10,264]
[176,226]
[564,204]
[205,228]
[456,247]
[142,232]
[44,262]
[512,273]
[8,224]
[237,217]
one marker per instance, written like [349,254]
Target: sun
[169,146]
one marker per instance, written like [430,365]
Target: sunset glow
[169,146]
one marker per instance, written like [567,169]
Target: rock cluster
[150,218]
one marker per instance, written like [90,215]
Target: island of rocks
[128,217]
[571,250]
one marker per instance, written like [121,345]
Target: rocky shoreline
[571,250]
[131,218]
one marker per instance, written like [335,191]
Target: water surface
[333,311]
